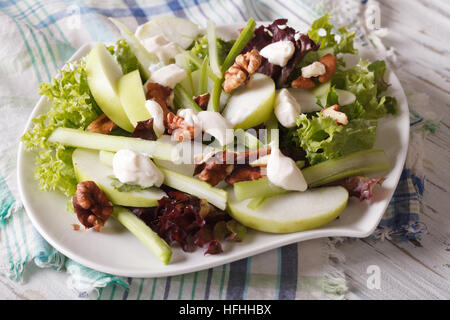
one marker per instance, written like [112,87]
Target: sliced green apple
[178,30]
[291,212]
[103,73]
[252,104]
[88,167]
[132,97]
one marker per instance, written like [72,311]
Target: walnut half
[91,205]
[244,65]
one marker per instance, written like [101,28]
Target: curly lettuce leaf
[330,41]
[365,80]
[323,139]
[124,56]
[72,107]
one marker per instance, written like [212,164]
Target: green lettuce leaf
[73,107]
[124,56]
[331,40]
[323,139]
[200,48]
[364,81]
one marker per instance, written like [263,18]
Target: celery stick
[187,84]
[353,164]
[144,233]
[196,187]
[245,36]
[183,100]
[212,49]
[325,172]
[203,80]
[214,100]
[90,140]
[272,133]
[247,139]
[256,189]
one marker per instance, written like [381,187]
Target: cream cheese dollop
[279,52]
[287,108]
[137,169]
[157,114]
[217,126]
[283,172]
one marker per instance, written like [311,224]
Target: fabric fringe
[334,283]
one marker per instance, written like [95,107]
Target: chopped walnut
[91,205]
[303,83]
[144,130]
[229,166]
[102,125]
[330,62]
[334,113]
[202,100]
[244,65]
[161,94]
[179,128]
[244,173]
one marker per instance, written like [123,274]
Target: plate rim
[236,256]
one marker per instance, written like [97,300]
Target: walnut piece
[179,128]
[244,65]
[144,130]
[161,94]
[244,173]
[303,83]
[330,62]
[102,125]
[91,205]
[202,100]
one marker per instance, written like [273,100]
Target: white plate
[115,250]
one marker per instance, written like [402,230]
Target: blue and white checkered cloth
[39,36]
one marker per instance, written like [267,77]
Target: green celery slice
[196,187]
[97,141]
[183,100]
[212,49]
[144,233]
[357,163]
[247,139]
[245,36]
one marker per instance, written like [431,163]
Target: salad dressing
[283,172]
[134,168]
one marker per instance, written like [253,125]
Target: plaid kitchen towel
[39,36]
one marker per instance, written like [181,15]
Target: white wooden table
[420,33]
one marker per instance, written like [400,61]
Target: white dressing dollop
[216,125]
[315,69]
[286,108]
[163,49]
[137,169]
[279,52]
[157,114]
[283,172]
[169,75]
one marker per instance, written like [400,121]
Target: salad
[188,139]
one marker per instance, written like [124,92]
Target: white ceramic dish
[115,250]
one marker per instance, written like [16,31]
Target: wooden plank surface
[420,33]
